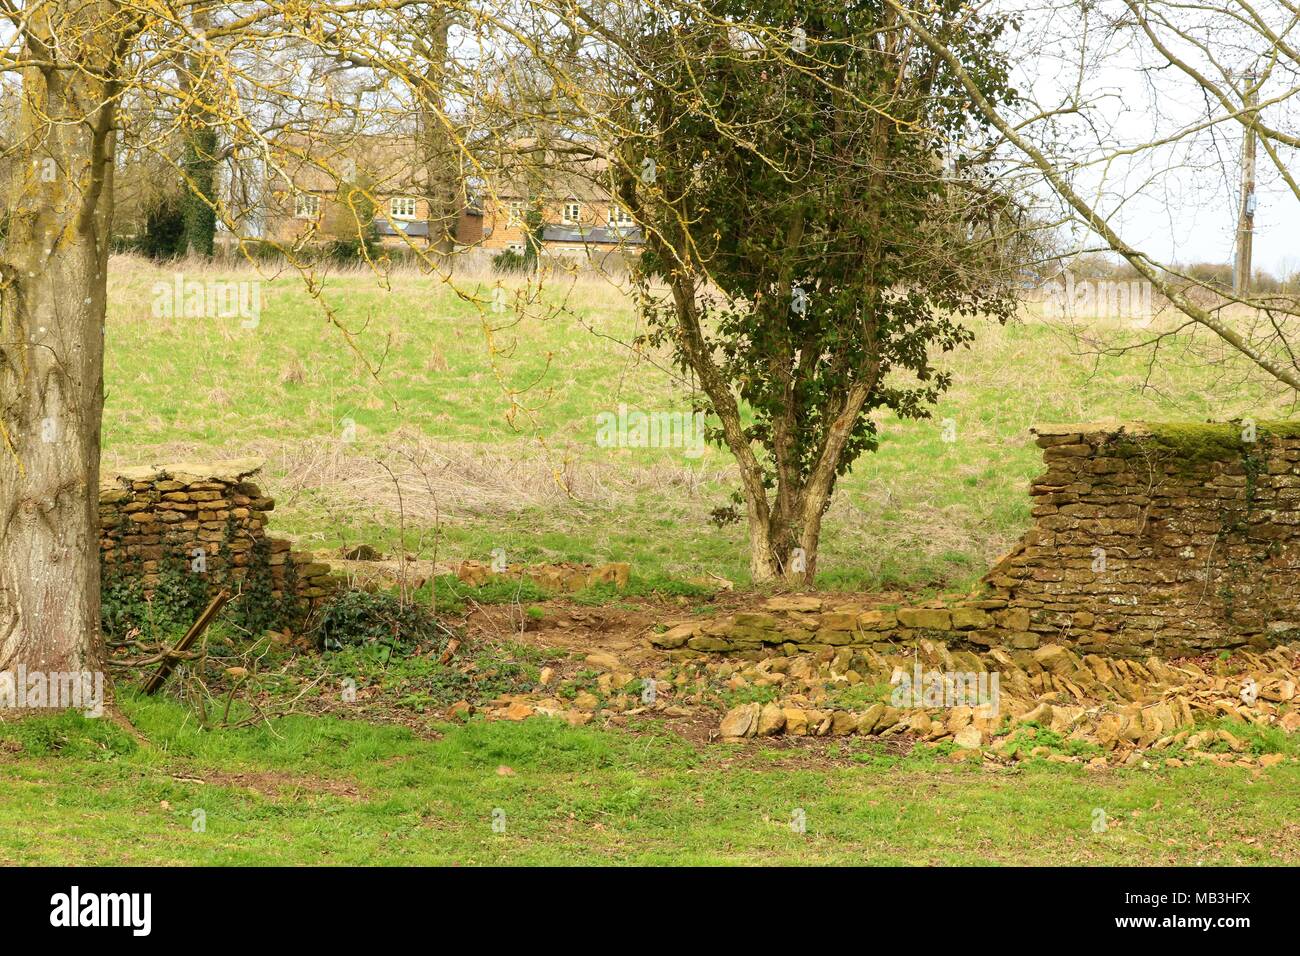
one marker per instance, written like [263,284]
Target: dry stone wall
[797,624]
[1171,540]
[1163,539]
[209,519]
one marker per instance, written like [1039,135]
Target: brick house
[580,219]
[306,198]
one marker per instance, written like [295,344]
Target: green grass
[490,421]
[326,791]
[920,512]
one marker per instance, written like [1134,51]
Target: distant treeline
[1216,275]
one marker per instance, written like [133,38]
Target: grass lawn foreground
[331,791]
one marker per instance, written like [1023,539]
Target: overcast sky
[1180,201]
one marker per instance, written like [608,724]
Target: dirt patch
[569,630]
[621,629]
[376,710]
[274,784]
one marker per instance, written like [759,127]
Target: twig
[165,668]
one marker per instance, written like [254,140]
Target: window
[618,217]
[306,206]
[401,207]
[572,213]
[515,212]
[475,187]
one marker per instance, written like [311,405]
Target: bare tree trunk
[52,300]
[784,539]
[764,562]
[810,536]
[781,553]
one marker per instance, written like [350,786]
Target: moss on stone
[1280,429]
[1199,443]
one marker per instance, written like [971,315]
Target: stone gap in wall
[1147,539]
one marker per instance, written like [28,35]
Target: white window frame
[306,206]
[515,212]
[398,206]
[619,217]
[572,214]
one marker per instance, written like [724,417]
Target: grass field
[484,422]
[487,421]
[321,791]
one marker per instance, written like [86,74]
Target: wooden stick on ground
[160,676]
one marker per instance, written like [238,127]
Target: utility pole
[1241,273]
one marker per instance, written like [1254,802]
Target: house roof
[418,229]
[593,235]
[519,169]
[387,162]
[558,170]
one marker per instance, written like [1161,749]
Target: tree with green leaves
[819,256]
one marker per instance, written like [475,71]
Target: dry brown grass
[428,480]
